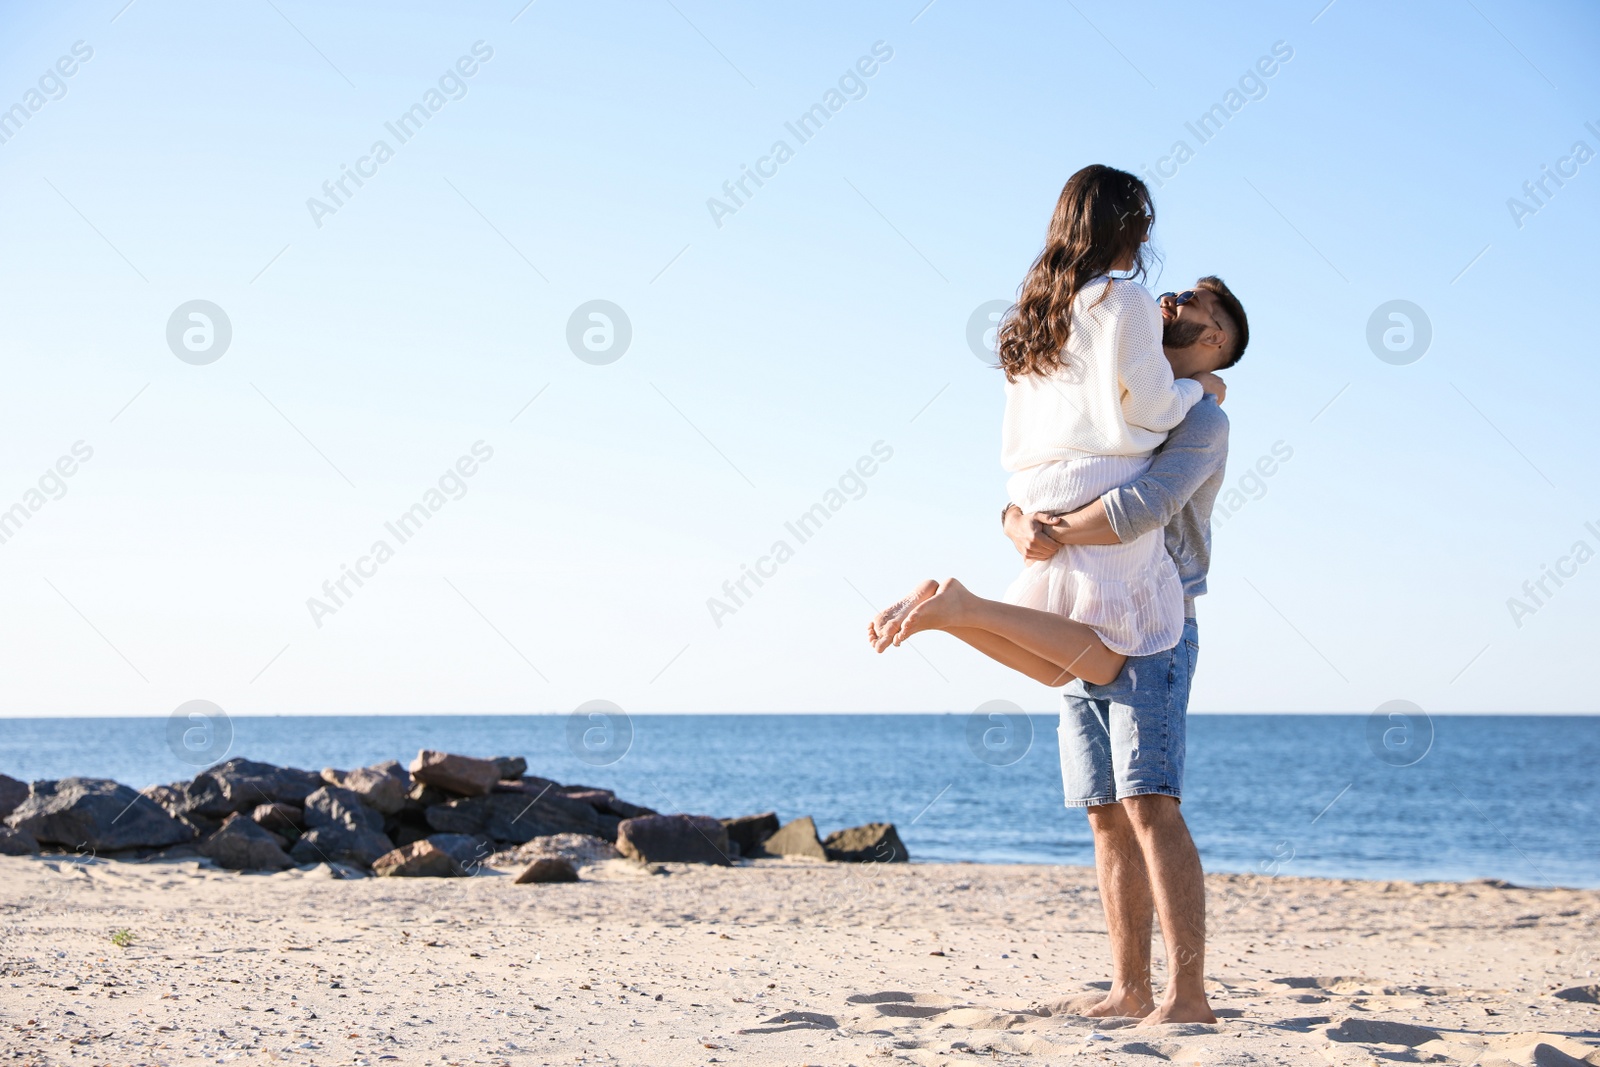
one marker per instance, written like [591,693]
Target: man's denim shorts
[1126,739]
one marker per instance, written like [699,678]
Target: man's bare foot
[937,612]
[1097,1005]
[1180,1011]
[1123,1004]
[881,630]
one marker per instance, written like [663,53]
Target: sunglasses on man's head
[1178,299]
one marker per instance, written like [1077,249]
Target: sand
[773,963]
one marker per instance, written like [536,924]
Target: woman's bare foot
[881,630]
[937,612]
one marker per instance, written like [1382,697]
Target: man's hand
[1030,534]
[1211,384]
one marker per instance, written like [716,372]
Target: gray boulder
[518,816]
[469,850]
[97,814]
[382,787]
[547,869]
[423,796]
[335,806]
[17,842]
[512,767]
[465,775]
[468,815]
[12,793]
[749,831]
[604,801]
[241,785]
[420,859]
[241,844]
[174,798]
[335,843]
[798,838]
[282,819]
[674,839]
[876,842]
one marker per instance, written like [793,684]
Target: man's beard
[1180,333]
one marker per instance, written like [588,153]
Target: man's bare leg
[1179,890]
[1130,910]
[1071,646]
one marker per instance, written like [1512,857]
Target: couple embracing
[1116,443]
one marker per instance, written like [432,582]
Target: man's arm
[1192,453]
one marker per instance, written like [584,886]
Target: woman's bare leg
[886,624]
[1017,658]
[1056,639]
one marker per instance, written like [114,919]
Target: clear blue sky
[772,346]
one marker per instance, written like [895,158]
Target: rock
[876,842]
[174,800]
[467,815]
[333,805]
[580,850]
[604,801]
[98,814]
[798,838]
[512,767]
[283,819]
[17,842]
[748,831]
[469,850]
[12,793]
[281,840]
[674,839]
[422,797]
[335,843]
[241,844]
[531,784]
[382,787]
[455,774]
[420,859]
[241,785]
[547,869]
[518,817]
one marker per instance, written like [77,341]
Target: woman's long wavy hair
[1100,221]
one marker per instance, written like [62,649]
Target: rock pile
[445,815]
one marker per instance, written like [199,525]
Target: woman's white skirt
[1130,594]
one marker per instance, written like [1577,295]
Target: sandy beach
[770,962]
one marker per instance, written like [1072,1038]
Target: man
[1122,744]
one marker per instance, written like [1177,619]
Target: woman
[1089,396]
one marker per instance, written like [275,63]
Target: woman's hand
[1030,535]
[1211,384]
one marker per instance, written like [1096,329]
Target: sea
[1397,795]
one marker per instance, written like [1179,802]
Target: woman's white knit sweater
[1115,395]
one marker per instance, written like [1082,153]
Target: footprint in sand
[794,1020]
[1357,1040]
